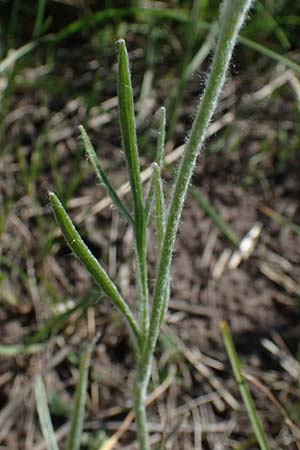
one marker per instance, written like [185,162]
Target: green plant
[145,329]
[77,418]
[244,390]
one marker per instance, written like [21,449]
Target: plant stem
[140,394]
[232,15]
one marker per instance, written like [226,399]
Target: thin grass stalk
[232,15]
[44,414]
[40,14]
[244,390]
[128,130]
[77,419]
[215,217]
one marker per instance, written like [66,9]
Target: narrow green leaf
[40,14]
[128,130]
[159,205]
[203,52]
[160,149]
[244,390]
[215,217]
[102,176]
[44,414]
[270,53]
[77,419]
[82,252]
[160,213]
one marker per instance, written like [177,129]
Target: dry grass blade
[77,419]
[44,414]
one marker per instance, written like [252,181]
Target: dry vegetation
[49,307]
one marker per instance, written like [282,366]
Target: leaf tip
[223,325]
[121,42]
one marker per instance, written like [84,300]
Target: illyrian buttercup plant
[146,324]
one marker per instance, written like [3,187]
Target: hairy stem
[232,15]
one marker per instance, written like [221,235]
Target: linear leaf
[77,419]
[40,14]
[159,205]
[244,390]
[160,230]
[83,253]
[215,217]
[102,176]
[128,131]
[44,414]
[270,53]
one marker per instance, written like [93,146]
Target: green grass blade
[13,22]
[177,15]
[44,414]
[77,419]
[102,176]
[215,217]
[150,60]
[244,390]
[270,53]
[203,52]
[99,17]
[40,14]
[82,252]
[160,150]
[160,215]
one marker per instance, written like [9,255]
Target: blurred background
[238,250]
